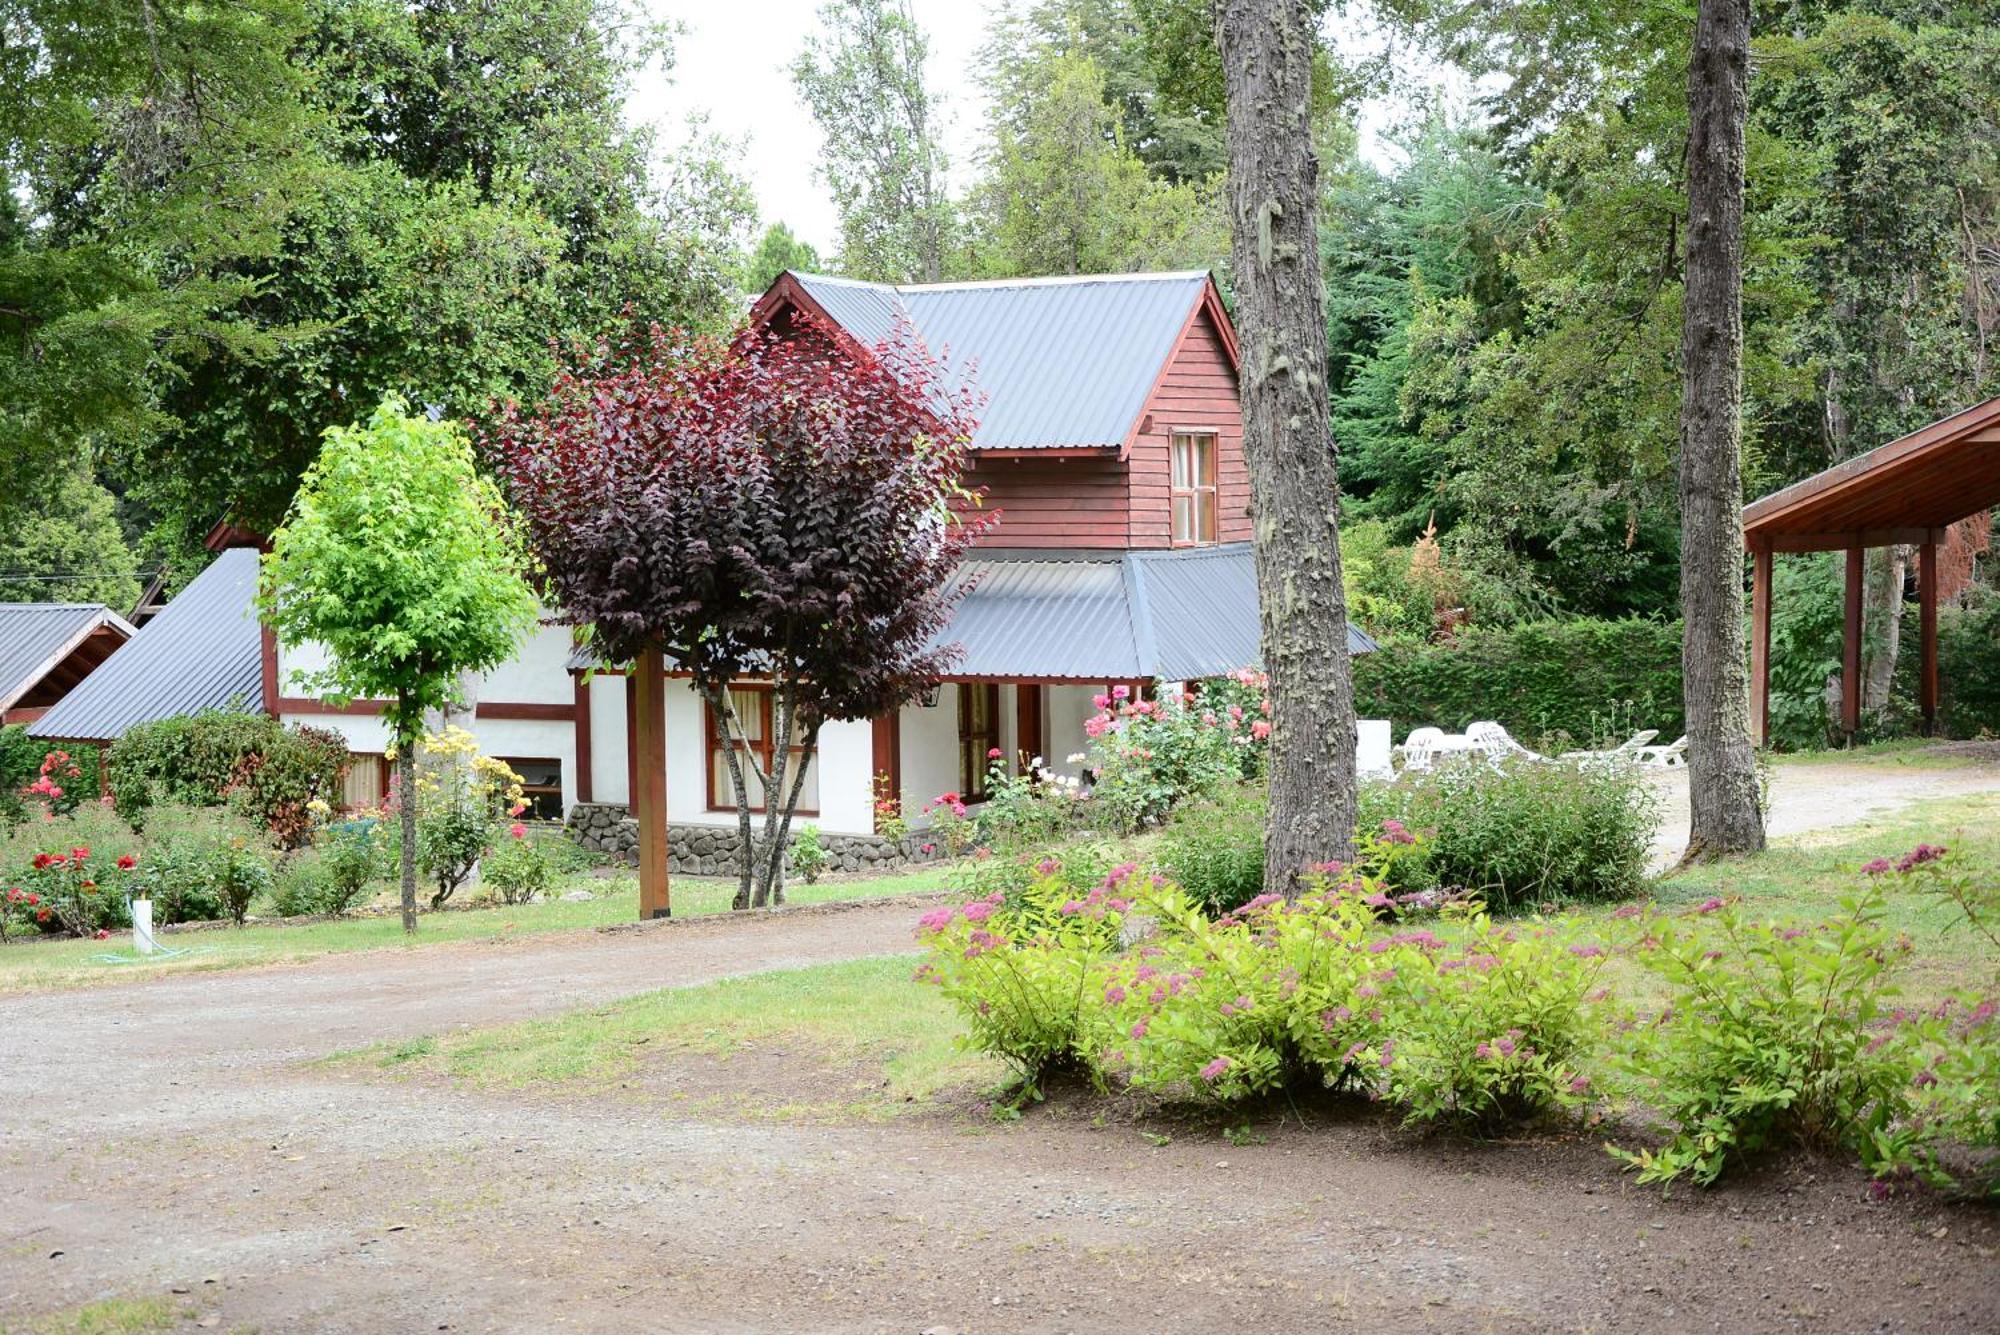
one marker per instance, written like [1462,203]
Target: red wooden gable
[1114,497]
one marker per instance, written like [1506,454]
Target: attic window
[1193,488]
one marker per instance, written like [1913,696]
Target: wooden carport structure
[1908,491]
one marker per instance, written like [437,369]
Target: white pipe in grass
[142,926]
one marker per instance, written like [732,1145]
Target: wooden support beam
[584,781]
[631,740]
[1850,648]
[1028,729]
[885,768]
[1927,652]
[1760,646]
[649,796]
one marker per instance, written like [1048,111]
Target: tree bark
[1267,55]
[1882,609]
[406,801]
[1722,764]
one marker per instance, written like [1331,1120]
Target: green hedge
[253,762]
[1590,679]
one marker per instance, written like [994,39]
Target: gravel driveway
[1829,794]
[170,1138]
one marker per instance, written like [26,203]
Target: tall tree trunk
[1722,763]
[1267,56]
[1882,609]
[406,801]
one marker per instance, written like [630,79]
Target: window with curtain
[754,708]
[1192,494]
[978,733]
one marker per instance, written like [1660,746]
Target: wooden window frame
[530,791]
[711,750]
[1201,489]
[385,773]
[973,761]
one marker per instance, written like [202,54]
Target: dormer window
[1193,488]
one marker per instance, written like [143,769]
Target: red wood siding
[1198,392]
[1075,502]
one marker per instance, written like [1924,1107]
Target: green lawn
[40,965]
[869,1015]
[888,1042]
[1805,878]
[1889,756]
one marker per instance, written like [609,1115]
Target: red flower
[995,753]
[126,862]
[34,899]
[80,854]
[42,861]
[42,915]
[103,934]
[56,860]
[517,829]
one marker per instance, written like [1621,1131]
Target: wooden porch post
[1028,727]
[1850,651]
[1927,659]
[886,759]
[649,797]
[1760,644]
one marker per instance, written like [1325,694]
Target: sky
[730,63]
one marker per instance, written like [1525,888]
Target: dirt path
[1829,794]
[167,1137]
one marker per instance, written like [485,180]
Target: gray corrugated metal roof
[1046,619]
[203,651]
[1112,616]
[35,636]
[1171,615]
[1062,361]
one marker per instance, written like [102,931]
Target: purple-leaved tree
[788,510]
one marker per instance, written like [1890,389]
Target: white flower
[1036,763]
[1076,759]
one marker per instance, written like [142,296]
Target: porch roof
[1040,615]
[1901,492]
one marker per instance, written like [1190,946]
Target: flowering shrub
[1768,1035]
[889,822]
[70,890]
[354,853]
[59,782]
[1036,807]
[1147,756]
[1020,972]
[463,798]
[951,825]
[519,868]
[1524,835]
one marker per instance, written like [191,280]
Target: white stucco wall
[930,752]
[1065,708]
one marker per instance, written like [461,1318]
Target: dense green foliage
[1760,1035]
[226,225]
[270,772]
[1523,836]
[397,560]
[1587,679]
[1215,850]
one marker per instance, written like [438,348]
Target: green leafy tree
[61,543]
[145,147]
[1065,194]
[398,559]
[477,193]
[862,77]
[777,250]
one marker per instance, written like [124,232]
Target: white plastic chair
[1419,748]
[1372,748]
[1626,750]
[1671,756]
[1498,743]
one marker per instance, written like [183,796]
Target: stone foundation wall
[711,850]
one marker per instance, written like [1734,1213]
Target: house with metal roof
[1109,449]
[202,650]
[48,649]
